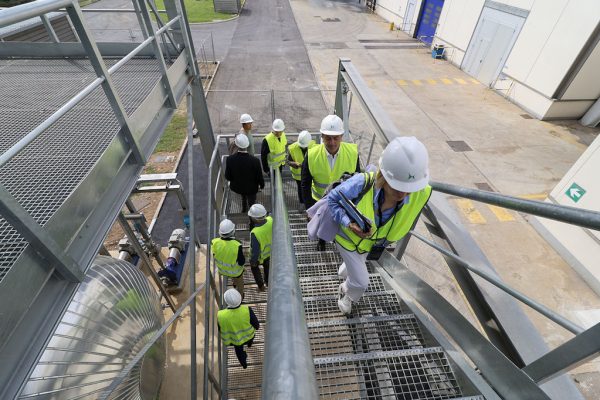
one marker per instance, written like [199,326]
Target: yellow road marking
[468,209]
[475,81]
[461,81]
[502,214]
[417,82]
[432,81]
[536,196]
[402,82]
[446,81]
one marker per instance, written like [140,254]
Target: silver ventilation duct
[113,314]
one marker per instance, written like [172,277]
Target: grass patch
[174,135]
[199,10]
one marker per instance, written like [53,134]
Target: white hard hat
[332,125]
[245,119]
[278,125]
[304,139]
[232,298]
[242,141]
[257,211]
[405,164]
[226,227]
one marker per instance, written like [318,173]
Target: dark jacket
[244,173]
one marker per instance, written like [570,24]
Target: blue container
[437,52]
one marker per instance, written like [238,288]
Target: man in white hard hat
[297,155]
[229,255]
[395,197]
[246,121]
[260,243]
[237,325]
[327,162]
[274,147]
[244,173]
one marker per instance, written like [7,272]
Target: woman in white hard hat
[237,325]
[274,147]
[391,200]
[298,151]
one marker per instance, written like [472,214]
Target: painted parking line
[435,81]
[447,81]
[535,196]
[431,81]
[417,82]
[402,82]
[461,81]
[475,81]
[502,214]
[467,208]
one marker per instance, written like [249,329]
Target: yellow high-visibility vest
[235,325]
[322,174]
[225,253]
[394,229]
[297,155]
[277,152]
[264,235]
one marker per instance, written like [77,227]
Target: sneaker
[345,305]
[344,302]
[343,272]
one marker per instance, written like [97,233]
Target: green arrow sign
[575,192]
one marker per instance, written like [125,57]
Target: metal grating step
[309,270]
[302,247]
[244,383]
[360,335]
[315,257]
[328,285]
[402,374]
[323,308]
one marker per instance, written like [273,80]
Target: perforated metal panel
[31,90]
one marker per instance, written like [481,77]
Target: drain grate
[331,20]
[484,186]
[459,145]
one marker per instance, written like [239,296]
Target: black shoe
[321,245]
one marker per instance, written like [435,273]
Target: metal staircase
[380,351]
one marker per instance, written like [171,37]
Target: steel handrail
[542,309]
[288,371]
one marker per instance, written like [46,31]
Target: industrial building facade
[529,51]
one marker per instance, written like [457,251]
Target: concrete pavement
[502,149]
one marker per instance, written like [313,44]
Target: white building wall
[552,37]
[456,26]
[395,11]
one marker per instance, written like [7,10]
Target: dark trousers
[299,184]
[247,201]
[258,276]
[241,355]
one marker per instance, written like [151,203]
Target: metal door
[428,20]
[408,15]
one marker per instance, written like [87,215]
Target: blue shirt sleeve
[254,249]
[351,188]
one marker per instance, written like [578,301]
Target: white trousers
[358,275]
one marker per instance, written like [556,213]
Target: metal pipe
[49,29]
[288,371]
[22,12]
[207,278]
[114,10]
[542,309]
[31,136]
[571,215]
[125,371]
[192,245]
